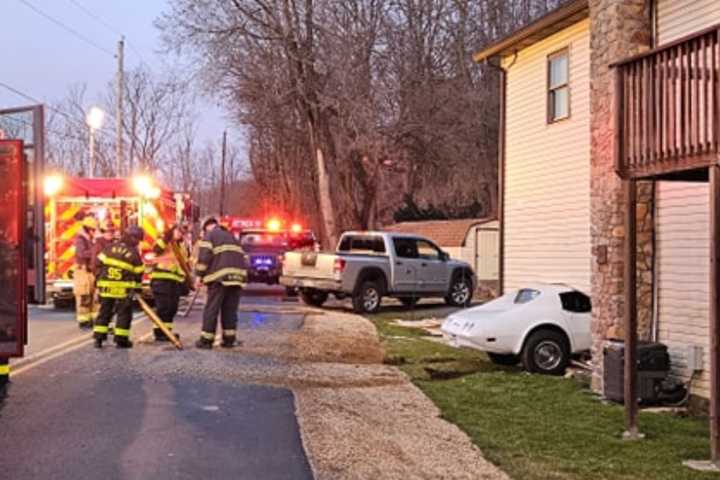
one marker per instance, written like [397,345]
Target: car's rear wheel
[368,298]
[504,359]
[314,298]
[460,291]
[62,303]
[546,352]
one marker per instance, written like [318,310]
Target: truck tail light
[339,265]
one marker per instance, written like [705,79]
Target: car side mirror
[444,256]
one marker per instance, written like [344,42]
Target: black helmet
[133,235]
[209,221]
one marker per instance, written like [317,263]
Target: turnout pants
[108,306]
[221,300]
[86,308]
[167,299]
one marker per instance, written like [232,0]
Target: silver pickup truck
[370,265]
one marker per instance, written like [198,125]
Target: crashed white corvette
[541,327]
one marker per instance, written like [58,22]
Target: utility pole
[222,174]
[119,114]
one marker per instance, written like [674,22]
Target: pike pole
[159,323]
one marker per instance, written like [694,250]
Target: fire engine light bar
[52,185]
[145,186]
[274,225]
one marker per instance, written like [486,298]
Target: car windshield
[526,295]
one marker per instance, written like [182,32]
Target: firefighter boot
[204,343]
[123,342]
[98,342]
[228,341]
[159,335]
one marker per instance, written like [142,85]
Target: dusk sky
[43,60]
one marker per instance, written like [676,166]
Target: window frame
[550,90]
[431,245]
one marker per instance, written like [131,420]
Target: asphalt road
[73,412]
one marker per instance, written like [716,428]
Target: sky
[42,59]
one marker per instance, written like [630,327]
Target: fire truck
[13,260]
[123,201]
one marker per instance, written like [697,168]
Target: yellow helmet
[90,223]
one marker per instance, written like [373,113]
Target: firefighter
[167,280]
[83,279]
[107,236]
[220,267]
[120,276]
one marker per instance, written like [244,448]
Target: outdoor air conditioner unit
[653,366]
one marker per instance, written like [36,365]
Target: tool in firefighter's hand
[184,265]
[158,323]
[190,306]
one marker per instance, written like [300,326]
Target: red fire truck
[13,261]
[123,201]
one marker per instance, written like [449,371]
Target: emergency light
[52,185]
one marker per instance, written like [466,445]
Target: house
[474,241]
[610,133]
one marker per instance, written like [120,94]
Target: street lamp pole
[94,120]
[92,152]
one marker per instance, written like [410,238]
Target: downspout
[655,317]
[495,62]
[655,290]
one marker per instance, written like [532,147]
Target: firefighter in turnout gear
[167,280]
[220,267]
[83,278]
[120,275]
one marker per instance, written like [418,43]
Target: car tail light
[339,265]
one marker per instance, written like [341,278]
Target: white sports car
[541,327]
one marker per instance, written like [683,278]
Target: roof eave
[554,21]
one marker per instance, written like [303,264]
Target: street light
[95,118]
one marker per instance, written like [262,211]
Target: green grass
[536,427]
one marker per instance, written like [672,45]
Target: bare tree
[357,106]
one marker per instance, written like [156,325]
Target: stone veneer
[619,28]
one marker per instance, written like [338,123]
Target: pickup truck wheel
[460,291]
[368,298]
[314,298]
[504,359]
[546,352]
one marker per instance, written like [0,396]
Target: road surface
[74,412]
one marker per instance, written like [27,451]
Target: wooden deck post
[630,323]
[714,315]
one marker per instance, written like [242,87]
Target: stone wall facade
[619,29]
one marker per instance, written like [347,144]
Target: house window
[558,86]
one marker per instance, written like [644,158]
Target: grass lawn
[537,427]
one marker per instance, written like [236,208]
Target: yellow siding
[547,168]
[683,243]
[683,247]
[678,18]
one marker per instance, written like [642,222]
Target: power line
[67,28]
[95,17]
[109,27]
[30,98]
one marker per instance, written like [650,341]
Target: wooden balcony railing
[667,107]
